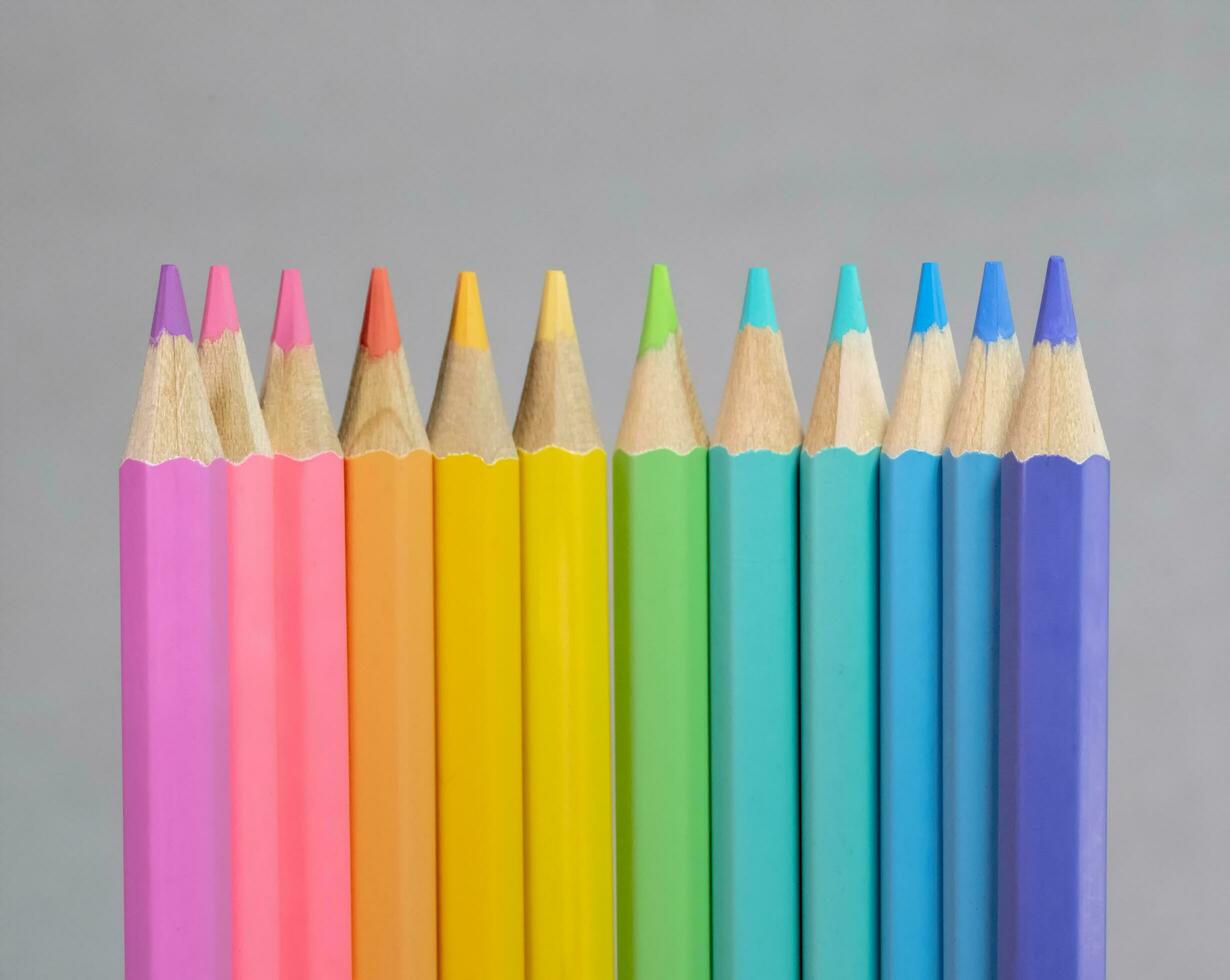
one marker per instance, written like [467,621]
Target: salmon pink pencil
[310,631]
[173,642]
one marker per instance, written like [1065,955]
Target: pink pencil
[177,901]
[250,605]
[310,630]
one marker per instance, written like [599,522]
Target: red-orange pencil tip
[380,335]
[290,322]
[220,314]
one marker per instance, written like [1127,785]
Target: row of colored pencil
[366,678]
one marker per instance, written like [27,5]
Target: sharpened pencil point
[993,320]
[468,328]
[290,322]
[170,308]
[380,334]
[661,320]
[220,315]
[1056,318]
[758,301]
[555,311]
[929,308]
[848,312]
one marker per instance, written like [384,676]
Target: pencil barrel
[910,641]
[839,521]
[1053,715]
[173,641]
[754,664]
[662,713]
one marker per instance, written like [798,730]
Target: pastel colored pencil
[478,658]
[975,441]
[569,894]
[662,659]
[310,619]
[390,600]
[1053,662]
[754,654]
[838,535]
[173,643]
[910,640]
[250,632]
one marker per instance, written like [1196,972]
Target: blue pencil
[977,433]
[910,576]
[753,655]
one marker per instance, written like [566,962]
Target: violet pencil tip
[170,308]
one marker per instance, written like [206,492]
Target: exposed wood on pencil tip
[232,396]
[849,410]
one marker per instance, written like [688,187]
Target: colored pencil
[910,599]
[390,598]
[662,659]
[250,625]
[310,572]
[173,642]
[478,658]
[1053,662]
[838,534]
[569,895]
[977,432]
[754,653]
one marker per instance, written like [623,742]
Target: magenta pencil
[173,642]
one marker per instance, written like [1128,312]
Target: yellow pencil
[569,914]
[478,659]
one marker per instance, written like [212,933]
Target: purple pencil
[173,643]
[1053,660]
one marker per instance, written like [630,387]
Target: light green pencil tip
[848,312]
[661,320]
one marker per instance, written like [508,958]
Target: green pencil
[662,660]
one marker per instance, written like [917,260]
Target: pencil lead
[380,334]
[290,322]
[993,320]
[220,315]
[848,312]
[555,311]
[170,308]
[661,320]
[467,327]
[929,308]
[758,301]
[1056,318]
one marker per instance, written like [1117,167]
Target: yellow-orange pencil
[569,915]
[478,659]
[392,656]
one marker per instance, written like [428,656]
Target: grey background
[600,138]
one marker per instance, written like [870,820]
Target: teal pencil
[910,599]
[839,526]
[753,655]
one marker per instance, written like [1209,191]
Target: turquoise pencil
[976,439]
[910,643]
[753,655]
[839,669]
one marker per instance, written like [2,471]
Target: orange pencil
[389,625]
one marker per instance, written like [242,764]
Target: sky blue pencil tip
[929,309]
[758,301]
[170,309]
[1056,319]
[993,320]
[848,312]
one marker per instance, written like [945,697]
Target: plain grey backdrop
[600,138]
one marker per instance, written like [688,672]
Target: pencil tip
[929,308]
[468,328]
[290,322]
[848,312]
[993,321]
[1056,318]
[380,334]
[758,301]
[661,320]
[170,308]
[220,315]
[555,311]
